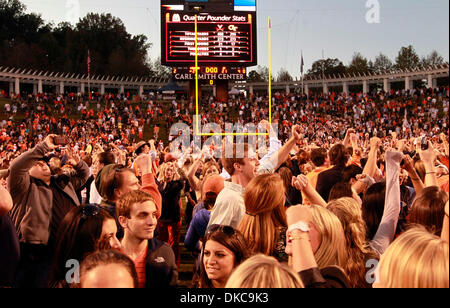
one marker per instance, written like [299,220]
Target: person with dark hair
[319,158]
[341,190]
[98,163]
[41,201]
[338,156]
[84,230]
[293,196]
[154,259]
[224,249]
[373,207]
[108,269]
[350,172]
[428,209]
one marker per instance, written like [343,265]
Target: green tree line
[27,41]
[407,59]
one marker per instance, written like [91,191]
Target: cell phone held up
[424,144]
[61,140]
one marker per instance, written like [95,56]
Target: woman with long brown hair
[264,224]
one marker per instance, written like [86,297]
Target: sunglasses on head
[116,172]
[227,230]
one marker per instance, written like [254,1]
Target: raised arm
[428,157]
[301,250]
[371,166]
[144,164]
[192,178]
[278,158]
[81,168]
[386,231]
[6,202]
[19,179]
[415,179]
[302,184]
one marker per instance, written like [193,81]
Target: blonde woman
[264,224]
[312,251]
[329,248]
[417,259]
[348,211]
[170,186]
[263,272]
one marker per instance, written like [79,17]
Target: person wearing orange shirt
[319,158]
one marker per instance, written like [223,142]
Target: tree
[329,67]
[359,64]
[261,74]
[382,64]
[26,41]
[161,71]
[433,59]
[284,76]
[254,76]
[407,59]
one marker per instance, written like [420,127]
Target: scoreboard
[226,33]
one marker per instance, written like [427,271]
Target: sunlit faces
[109,231]
[142,222]
[218,262]
[108,276]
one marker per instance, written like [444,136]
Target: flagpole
[301,74]
[89,75]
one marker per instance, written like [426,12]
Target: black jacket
[327,179]
[332,277]
[161,269]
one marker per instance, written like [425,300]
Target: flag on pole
[89,62]
[302,64]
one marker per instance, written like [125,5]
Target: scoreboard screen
[223,38]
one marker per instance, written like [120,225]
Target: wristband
[301,226]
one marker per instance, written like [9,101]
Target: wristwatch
[301,225]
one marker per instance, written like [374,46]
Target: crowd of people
[353,188]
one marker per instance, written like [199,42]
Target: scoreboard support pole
[222,90]
[192,90]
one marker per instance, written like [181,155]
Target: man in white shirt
[229,208]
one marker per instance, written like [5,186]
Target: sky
[329,28]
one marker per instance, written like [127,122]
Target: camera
[61,140]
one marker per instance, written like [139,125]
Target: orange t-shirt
[312,178]
[139,263]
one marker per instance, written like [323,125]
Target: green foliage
[407,59]
[382,64]
[359,64]
[284,76]
[433,59]
[27,42]
[328,67]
